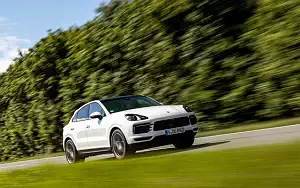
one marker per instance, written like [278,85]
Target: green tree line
[230,61]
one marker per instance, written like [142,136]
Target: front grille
[193,120]
[141,128]
[171,123]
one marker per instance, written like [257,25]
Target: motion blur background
[230,61]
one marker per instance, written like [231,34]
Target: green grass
[265,166]
[34,157]
[252,126]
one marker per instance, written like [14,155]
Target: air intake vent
[141,128]
[193,120]
[143,138]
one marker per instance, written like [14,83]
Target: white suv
[123,125]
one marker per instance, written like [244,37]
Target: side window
[83,113]
[95,107]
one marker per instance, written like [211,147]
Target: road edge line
[256,130]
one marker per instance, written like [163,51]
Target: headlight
[135,117]
[187,108]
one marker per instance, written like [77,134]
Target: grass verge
[265,166]
[252,126]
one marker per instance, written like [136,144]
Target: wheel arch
[113,128]
[66,139]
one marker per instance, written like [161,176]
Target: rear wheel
[184,141]
[119,145]
[71,153]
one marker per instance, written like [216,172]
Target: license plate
[174,131]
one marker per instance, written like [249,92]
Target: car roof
[119,97]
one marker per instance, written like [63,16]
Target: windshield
[127,103]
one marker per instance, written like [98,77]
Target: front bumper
[152,135]
[160,140]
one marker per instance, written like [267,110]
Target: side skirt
[93,152]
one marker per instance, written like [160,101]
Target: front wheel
[119,145]
[184,141]
[71,153]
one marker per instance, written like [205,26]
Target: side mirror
[95,115]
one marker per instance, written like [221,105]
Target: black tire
[184,141]
[71,153]
[119,146]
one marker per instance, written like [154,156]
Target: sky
[23,23]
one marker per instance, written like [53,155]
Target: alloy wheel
[70,152]
[119,145]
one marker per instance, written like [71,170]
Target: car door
[96,131]
[79,128]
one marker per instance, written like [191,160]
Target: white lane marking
[251,131]
[32,161]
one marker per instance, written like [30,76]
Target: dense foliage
[228,60]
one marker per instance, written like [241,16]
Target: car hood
[155,111]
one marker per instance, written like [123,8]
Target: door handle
[87,126]
[72,128]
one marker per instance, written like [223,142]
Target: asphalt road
[219,142]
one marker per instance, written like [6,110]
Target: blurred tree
[229,60]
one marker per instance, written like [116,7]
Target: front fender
[118,126]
